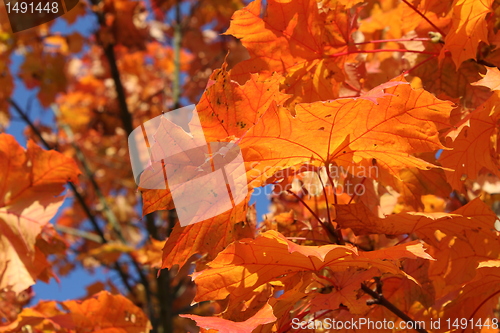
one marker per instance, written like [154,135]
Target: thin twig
[380,51]
[176,89]
[418,65]
[379,41]
[338,232]
[78,233]
[355,194]
[327,227]
[381,300]
[108,212]
[424,17]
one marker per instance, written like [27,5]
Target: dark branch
[378,298]
[95,225]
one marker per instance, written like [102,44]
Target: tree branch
[78,233]
[424,17]
[378,298]
[124,276]
[326,226]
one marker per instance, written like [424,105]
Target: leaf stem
[288,325]
[338,232]
[354,195]
[326,278]
[381,50]
[381,300]
[424,17]
[480,305]
[376,41]
[327,227]
[419,64]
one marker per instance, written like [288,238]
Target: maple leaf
[443,79]
[200,237]
[269,149]
[276,96]
[228,109]
[491,79]
[247,264]
[263,316]
[464,234]
[346,287]
[127,25]
[472,147]
[405,293]
[478,298]
[469,27]
[349,132]
[357,217]
[30,183]
[209,236]
[47,74]
[296,39]
[415,183]
[101,313]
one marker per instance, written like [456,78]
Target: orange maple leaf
[209,236]
[102,313]
[298,40]
[478,298]
[247,264]
[31,180]
[464,236]
[349,132]
[472,148]
[263,316]
[491,79]
[469,27]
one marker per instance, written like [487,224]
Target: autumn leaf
[126,23]
[247,264]
[465,234]
[478,297]
[347,285]
[47,74]
[31,180]
[337,132]
[254,140]
[469,27]
[150,254]
[491,79]
[295,39]
[264,316]
[416,183]
[371,128]
[206,237]
[102,313]
[362,221]
[229,109]
[472,148]
[442,78]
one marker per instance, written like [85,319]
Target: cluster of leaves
[396,99]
